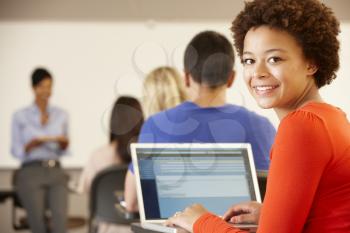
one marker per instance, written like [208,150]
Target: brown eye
[248,61]
[273,60]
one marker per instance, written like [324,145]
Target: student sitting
[124,127]
[289,50]
[162,89]
[207,117]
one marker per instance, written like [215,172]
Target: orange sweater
[308,188]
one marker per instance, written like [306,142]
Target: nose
[260,70]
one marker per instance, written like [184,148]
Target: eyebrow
[267,51]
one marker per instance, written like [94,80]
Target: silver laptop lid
[169,177]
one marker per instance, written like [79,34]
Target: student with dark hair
[39,139]
[124,128]
[289,50]
[207,117]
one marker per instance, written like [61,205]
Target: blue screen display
[172,179]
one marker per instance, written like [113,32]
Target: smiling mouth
[265,89]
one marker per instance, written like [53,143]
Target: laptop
[171,176]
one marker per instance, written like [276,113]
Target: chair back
[103,198]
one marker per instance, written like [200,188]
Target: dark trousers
[40,189]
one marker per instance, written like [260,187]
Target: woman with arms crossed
[39,139]
[289,50]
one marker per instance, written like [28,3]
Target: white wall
[93,63]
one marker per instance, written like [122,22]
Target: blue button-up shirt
[26,126]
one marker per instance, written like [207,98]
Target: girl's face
[275,69]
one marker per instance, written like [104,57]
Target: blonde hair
[163,89]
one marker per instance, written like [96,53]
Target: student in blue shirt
[39,138]
[207,117]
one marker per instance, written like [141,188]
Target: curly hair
[310,22]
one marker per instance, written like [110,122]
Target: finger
[233,211]
[244,218]
[169,222]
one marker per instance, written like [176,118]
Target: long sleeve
[210,223]
[300,155]
[65,125]
[17,143]
[26,126]
[65,132]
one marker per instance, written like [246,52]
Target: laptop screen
[174,178]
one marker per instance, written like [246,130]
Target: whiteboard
[93,63]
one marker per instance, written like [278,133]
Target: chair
[105,198]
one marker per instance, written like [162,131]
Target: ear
[312,68]
[231,79]
[187,79]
